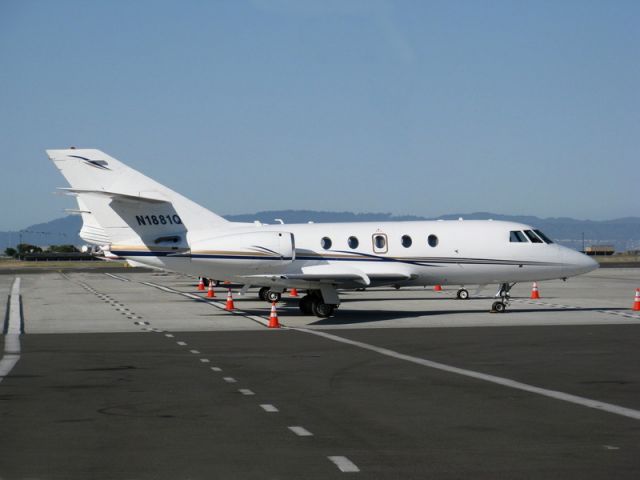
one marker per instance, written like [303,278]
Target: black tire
[306,305]
[263,293]
[323,310]
[273,296]
[498,307]
[463,294]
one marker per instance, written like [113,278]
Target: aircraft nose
[577,263]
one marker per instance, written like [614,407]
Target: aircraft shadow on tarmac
[365,316]
[287,306]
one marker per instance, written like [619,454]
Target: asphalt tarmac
[129,376]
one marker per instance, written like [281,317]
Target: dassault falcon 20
[132,216]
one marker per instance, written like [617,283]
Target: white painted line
[216,369]
[117,277]
[344,464]
[182,344]
[565,397]
[300,431]
[246,391]
[230,380]
[195,352]
[15,323]
[168,335]
[267,407]
[14,328]
[7,363]
[204,360]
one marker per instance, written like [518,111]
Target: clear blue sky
[410,107]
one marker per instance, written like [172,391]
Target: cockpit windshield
[543,236]
[532,236]
[526,236]
[516,236]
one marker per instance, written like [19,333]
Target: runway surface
[135,375]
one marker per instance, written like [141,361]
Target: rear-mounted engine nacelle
[251,251]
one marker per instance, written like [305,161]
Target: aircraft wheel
[263,293]
[323,310]
[273,296]
[463,294]
[306,305]
[498,307]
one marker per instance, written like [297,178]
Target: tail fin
[127,205]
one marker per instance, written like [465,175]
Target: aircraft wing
[332,275]
[319,274]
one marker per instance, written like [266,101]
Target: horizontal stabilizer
[120,196]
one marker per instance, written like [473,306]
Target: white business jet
[132,216]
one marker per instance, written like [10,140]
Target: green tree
[24,248]
[62,249]
[10,252]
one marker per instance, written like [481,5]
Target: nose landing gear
[505,298]
[268,295]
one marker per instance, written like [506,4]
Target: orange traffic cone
[273,318]
[293,292]
[210,292]
[201,283]
[229,305]
[535,294]
[437,288]
[636,301]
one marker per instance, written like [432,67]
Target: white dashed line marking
[195,352]
[246,391]
[230,380]
[168,335]
[218,304]
[344,464]
[204,360]
[182,344]
[267,407]
[300,431]
[216,369]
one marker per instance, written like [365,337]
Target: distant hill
[56,232]
[622,233]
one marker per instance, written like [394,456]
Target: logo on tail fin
[101,164]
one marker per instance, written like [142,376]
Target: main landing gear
[313,304]
[505,298]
